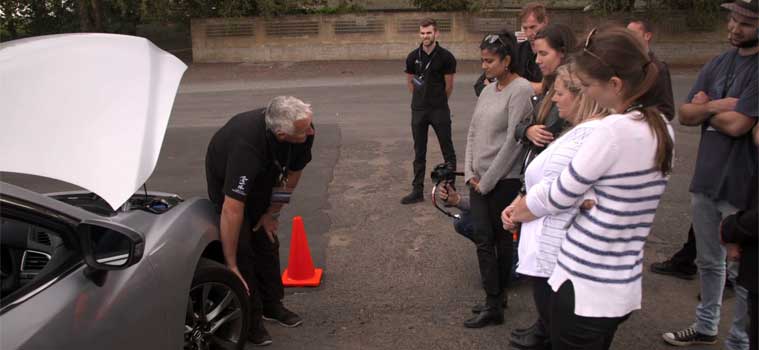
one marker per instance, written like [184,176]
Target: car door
[55,303]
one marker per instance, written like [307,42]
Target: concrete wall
[392,35]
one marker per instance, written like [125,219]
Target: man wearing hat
[724,104]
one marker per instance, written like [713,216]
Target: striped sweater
[602,253]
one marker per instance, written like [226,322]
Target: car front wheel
[217,309]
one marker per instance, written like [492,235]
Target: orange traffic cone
[300,270]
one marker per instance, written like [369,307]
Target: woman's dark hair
[616,52]
[502,44]
[560,38]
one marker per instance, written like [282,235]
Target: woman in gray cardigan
[492,169]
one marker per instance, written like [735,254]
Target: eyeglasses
[586,50]
[491,39]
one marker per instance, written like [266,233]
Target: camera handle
[434,199]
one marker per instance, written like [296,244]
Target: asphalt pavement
[396,277]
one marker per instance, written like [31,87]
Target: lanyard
[277,164]
[428,62]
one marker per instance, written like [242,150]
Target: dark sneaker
[416,196]
[258,336]
[285,317]
[670,268]
[687,337]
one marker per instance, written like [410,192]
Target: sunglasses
[492,38]
[586,50]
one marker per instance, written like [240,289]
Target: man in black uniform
[430,70]
[254,153]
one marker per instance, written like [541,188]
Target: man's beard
[748,44]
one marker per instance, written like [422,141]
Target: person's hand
[486,82]
[269,224]
[723,105]
[521,212]
[449,195]
[539,135]
[733,252]
[756,134]
[236,271]
[588,204]
[700,98]
[474,183]
[508,223]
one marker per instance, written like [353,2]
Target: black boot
[488,316]
[415,196]
[534,337]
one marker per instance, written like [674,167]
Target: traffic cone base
[314,281]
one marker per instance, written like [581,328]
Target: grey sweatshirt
[492,152]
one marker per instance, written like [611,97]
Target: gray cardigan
[492,152]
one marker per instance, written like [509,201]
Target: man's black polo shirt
[432,95]
[244,161]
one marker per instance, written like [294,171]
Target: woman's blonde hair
[585,107]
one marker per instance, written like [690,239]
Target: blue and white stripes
[602,253]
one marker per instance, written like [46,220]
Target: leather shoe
[533,338]
[479,307]
[486,317]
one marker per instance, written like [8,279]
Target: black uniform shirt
[441,63]
[244,161]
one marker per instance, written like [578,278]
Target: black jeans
[258,261]
[686,256]
[572,332]
[541,294]
[440,119]
[494,244]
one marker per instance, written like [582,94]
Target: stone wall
[391,35]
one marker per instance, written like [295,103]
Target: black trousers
[572,332]
[440,120]
[258,261]
[494,244]
[541,295]
[686,256]
[753,327]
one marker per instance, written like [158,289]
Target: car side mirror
[109,246]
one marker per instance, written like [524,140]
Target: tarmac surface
[396,277]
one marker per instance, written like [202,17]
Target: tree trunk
[84,16]
[97,15]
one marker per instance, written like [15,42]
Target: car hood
[87,109]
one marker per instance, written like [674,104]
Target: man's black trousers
[440,120]
[494,243]
[258,261]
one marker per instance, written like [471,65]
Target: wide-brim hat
[748,8]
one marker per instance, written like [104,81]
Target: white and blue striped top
[602,253]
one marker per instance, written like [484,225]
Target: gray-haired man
[255,152]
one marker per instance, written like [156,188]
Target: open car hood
[87,109]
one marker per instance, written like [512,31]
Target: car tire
[220,321]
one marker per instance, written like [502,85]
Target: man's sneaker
[670,268]
[258,336]
[285,317]
[415,196]
[687,337]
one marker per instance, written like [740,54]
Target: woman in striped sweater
[541,238]
[625,162]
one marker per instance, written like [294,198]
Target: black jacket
[741,229]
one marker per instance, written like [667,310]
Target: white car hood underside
[87,109]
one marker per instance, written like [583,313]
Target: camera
[444,173]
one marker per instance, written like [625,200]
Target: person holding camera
[429,77]
[492,168]
[253,154]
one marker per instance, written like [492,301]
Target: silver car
[109,267]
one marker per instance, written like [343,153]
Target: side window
[29,254]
